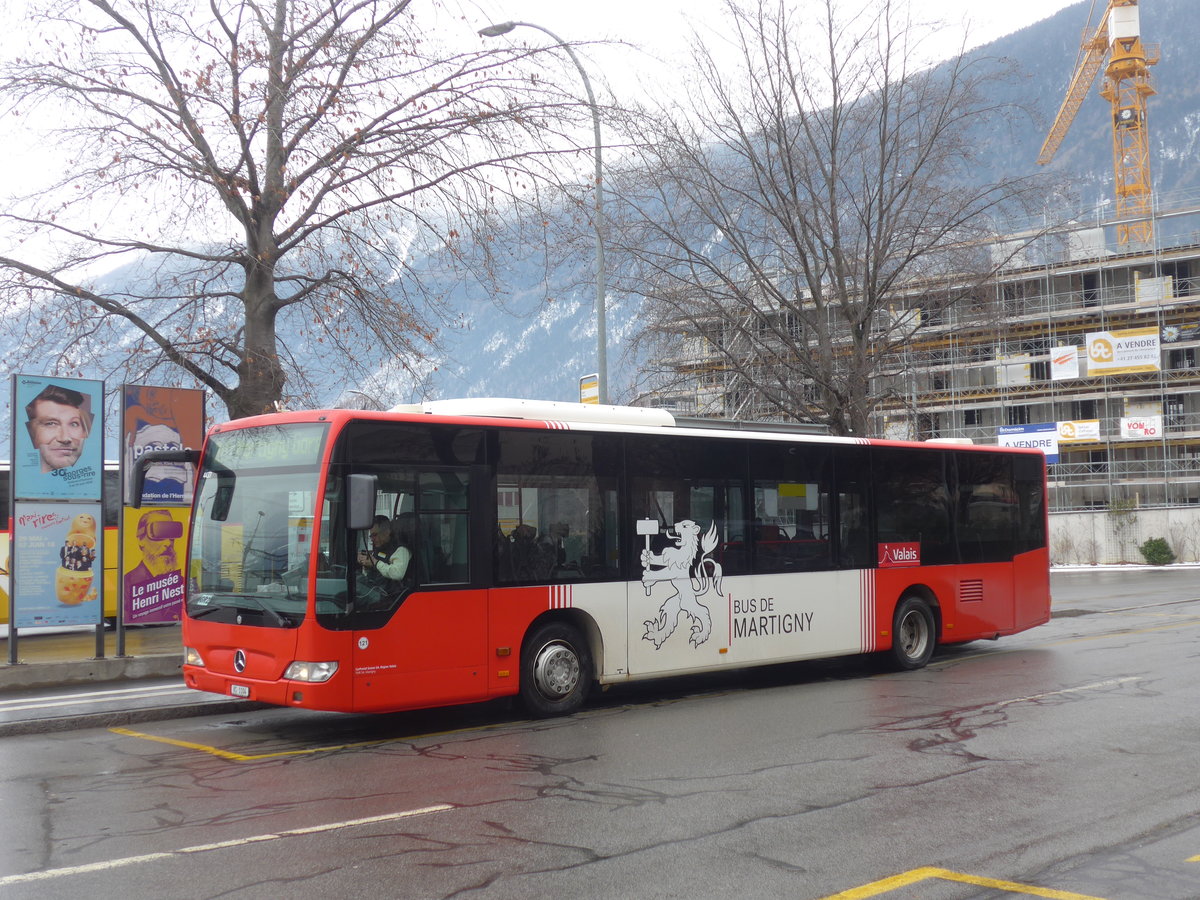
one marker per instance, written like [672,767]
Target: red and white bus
[556,546]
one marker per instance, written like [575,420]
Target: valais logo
[894,555]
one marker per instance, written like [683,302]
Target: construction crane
[1126,86]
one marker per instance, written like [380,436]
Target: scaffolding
[1004,358]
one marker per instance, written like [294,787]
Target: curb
[25,676]
[127,717]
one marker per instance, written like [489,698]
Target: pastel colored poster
[154,557]
[58,432]
[57,564]
[160,418]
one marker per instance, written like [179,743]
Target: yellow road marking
[1193,859]
[240,757]
[255,757]
[927,873]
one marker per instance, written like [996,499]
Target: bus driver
[386,564]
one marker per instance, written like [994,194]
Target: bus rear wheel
[556,670]
[913,633]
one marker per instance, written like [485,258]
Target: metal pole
[601,327]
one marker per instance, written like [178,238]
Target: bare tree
[814,192]
[238,163]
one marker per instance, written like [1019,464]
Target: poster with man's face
[160,418]
[58,438]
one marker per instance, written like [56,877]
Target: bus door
[988,527]
[419,633]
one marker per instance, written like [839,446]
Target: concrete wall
[1099,537]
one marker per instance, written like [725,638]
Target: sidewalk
[60,685]
[56,660]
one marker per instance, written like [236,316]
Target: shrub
[1157,552]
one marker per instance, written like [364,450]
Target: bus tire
[913,633]
[556,670]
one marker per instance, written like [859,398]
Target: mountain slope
[537,339]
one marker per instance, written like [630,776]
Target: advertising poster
[153,557]
[1079,431]
[5,568]
[159,418]
[1064,363]
[1123,352]
[1042,436]
[57,440]
[1142,427]
[58,565]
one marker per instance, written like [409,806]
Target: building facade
[1079,344]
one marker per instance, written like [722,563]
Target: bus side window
[112,498]
[792,497]
[556,508]
[675,480]
[912,501]
[851,517]
[987,510]
[443,526]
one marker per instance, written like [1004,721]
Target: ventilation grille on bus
[970,590]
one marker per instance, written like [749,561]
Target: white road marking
[108,864]
[1096,685]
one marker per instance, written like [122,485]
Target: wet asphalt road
[1062,761]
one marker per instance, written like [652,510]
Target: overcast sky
[654,22]
[661,27]
[656,30]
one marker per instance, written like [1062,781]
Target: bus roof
[548,410]
[592,413]
[559,414]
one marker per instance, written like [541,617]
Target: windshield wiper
[280,619]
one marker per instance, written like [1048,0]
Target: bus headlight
[192,657]
[312,672]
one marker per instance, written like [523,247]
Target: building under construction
[1090,351]
[1085,342]
[1082,344]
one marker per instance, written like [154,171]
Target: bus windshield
[252,528]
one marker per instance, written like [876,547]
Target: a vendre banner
[1124,352]
[1042,436]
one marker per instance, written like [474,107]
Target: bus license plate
[239,690]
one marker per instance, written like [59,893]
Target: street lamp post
[601,330]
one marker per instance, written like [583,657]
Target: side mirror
[360,497]
[148,459]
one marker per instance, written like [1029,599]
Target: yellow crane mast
[1126,87]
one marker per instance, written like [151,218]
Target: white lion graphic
[691,582]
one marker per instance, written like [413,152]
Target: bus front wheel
[913,633]
[556,670]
